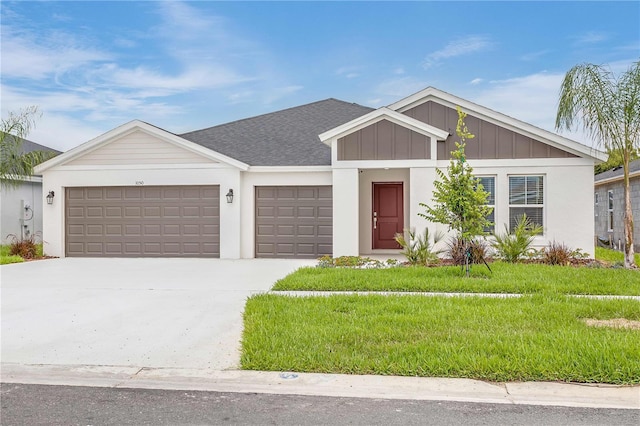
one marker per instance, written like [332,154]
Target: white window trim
[495,197]
[544,199]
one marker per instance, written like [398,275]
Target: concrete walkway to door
[175,313]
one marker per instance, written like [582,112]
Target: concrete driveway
[177,313]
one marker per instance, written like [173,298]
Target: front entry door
[388,215]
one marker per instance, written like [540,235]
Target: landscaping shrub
[559,254]
[457,250]
[26,248]
[418,248]
[511,247]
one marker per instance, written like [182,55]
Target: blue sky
[91,66]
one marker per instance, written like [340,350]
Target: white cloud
[458,47]
[591,37]
[532,98]
[476,81]
[400,87]
[348,72]
[30,56]
[533,56]
[63,132]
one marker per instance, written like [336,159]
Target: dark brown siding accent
[490,142]
[294,221]
[384,140]
[143,221]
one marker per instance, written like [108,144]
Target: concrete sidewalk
[335,385]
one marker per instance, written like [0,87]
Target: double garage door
[143,221]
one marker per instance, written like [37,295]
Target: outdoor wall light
[50,196]
[230,196]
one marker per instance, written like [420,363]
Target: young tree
[459,199]
[16,165]
[608,107]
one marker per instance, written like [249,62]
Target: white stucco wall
[57,179]
[346,214]
[12,200]
[271,176]
[568,197]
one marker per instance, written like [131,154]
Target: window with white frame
[489,185]
[610,210]
[526,196]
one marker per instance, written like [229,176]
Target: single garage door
[293,221]
[143,221]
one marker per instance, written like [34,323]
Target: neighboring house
[21,206]
[329,177]
[609,206]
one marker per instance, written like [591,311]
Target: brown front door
[388,215]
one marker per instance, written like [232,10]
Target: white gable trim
[380,114]
[131,127]
[444,98]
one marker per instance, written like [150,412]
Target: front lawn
[505,278]
[536,337]
[6,258]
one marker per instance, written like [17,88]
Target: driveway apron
[176,313]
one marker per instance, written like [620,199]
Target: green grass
[6,258]
[613,256]
[505,278]
[539,338]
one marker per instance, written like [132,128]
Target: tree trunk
[629,260]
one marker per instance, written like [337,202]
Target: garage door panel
[138,221]
[285,212]
[325,213]
[109,212]
[290,222]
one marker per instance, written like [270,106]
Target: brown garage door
[143,221]
[293,221]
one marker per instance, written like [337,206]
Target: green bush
[512,247]
[418,248]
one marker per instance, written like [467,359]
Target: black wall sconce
[50,196]
[230,196]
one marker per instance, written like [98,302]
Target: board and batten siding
[384,140]
[491,141]
[139,148]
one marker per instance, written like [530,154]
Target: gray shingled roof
[29,146]
[634,166]
[283,138]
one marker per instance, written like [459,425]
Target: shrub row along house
[609,206]
[330,177]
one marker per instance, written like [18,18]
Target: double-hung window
[526,196]
[489,185]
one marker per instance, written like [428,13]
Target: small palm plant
[511,247]
[418,248]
